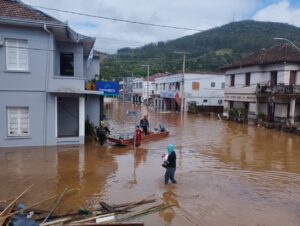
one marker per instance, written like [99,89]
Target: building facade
[202,89]
[266,83]
[43,66]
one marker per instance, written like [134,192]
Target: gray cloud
[112,35]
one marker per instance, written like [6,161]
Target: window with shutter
[18,121]
[16,54]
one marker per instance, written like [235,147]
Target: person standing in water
[144,124]
[170,165]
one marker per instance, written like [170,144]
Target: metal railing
[277,89]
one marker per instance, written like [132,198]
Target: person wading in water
[170,165]
[145,124]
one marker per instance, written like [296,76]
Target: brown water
[227,174]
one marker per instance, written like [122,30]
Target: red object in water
[138,137]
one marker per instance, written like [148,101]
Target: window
[67,64]
[232,80]
[164,86]
[212,84]
[156,86]
[205,101]
[273,78]
[195,86]
[293,75]
[18,121]
[16,54]
[223,85]
[248,79]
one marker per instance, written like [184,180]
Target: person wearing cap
[170,165]
[144,124]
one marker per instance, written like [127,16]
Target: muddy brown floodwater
[227,174]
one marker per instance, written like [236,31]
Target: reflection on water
[228,174]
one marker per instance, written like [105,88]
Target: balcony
[70,84]
[280,89]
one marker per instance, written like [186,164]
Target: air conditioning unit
[1,41]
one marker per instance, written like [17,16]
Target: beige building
[266,82]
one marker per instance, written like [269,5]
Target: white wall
[211,95]
[281,110]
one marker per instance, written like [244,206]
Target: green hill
[208,50]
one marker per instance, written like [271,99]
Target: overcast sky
[198,14]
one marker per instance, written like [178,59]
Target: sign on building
[109,88]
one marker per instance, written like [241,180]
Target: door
[273,78]
[293,75]
[271,107]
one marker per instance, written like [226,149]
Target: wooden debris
[57,222]
[136,203]
[107,207]
[36,204]
[91,218]
[55,205]
[6,212]
[113,224]
[147,211]
[14,201]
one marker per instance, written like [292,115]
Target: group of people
[169,159]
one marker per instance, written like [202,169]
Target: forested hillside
[208,50]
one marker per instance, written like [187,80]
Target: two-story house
[42,72]
[204,89]
[266,82]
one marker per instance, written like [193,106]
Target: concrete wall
[35,77]
[281,110]
[77,50]
[93,68]
[35,101]
[214,96]
[92,109]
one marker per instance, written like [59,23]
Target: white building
[266,82]
[204,89]
[141,92]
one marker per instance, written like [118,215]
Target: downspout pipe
[46,86]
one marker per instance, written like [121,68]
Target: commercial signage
[109,88]
[167,94]
[244,98]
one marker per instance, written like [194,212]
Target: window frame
[248,79]
[17,47]
[232,80]
[61,67]
[19,133]
[212,84]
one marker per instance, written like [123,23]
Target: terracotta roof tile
[17,9]
[276,54]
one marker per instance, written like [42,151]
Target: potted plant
[93,84]
[88,85]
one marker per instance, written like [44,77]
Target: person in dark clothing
[170,165]
[144,124]
[101,135]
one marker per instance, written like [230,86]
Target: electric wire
[117,19]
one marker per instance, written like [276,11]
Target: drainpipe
[46,86]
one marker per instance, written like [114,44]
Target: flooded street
[227,173]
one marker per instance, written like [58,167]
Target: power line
[118,20]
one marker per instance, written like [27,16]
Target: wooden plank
[57,222]
[14,201]
[36,204]
[113,224]
[7,211]
[91,218]
[136,203]
[55,205]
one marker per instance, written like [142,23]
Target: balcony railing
[280,89]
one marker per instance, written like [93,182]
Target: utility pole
[183,71]
[148,71]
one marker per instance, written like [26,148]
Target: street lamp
[285,39]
